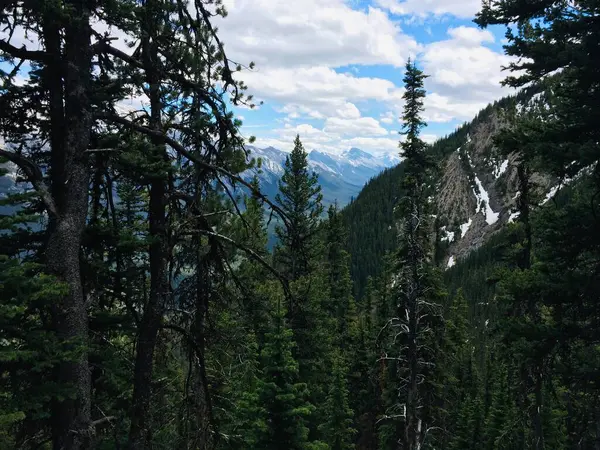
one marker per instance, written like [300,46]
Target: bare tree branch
[23,53]
[35,177]
[195,159]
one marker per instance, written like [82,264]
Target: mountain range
[341,177]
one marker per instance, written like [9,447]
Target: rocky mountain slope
[475,195]
[478,190]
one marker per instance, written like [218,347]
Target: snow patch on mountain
[483,200]
[513,216]
[448,235]
[465,227]
[568,180]
[498,171]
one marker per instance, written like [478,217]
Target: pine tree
[61,75]
[300,198]
[299,256]
[282,394]
[411,343]
[557,137]
[364,382]
[499,425]
[68,132]
[340,304]
[337,428]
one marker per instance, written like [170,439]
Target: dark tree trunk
[535,376]
[140,433]
[201,399]
[70,135]
[412,415]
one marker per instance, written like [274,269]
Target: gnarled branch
[35,177]
[190,156]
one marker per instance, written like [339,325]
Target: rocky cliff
[478,190]
[475,194]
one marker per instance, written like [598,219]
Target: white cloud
[461,66]
[429,138]
[298,45]
[332,141]
[377,146]
[388,117]
[440,108]
[470,36]
[319,91]
[327,140]
[362,126]
[282,33]
[465,9]
[464,75]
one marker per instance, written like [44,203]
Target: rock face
[475,194]
[478,190]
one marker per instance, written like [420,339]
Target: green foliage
[282,395]
[344,337]
[337,427]
[300,198]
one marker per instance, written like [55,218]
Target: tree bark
[140,433]
[535,375]
[412,429]
[70,135]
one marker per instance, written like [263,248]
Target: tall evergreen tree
[283,396]
[299,256]
[300,198]
[340,303]
[554,46]
[411,342]
[337,428]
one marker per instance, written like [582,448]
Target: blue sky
[331,70]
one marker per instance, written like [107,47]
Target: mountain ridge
[341,176]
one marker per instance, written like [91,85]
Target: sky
[331,70]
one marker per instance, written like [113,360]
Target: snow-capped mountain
[341,176]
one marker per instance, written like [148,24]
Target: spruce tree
[300,198]
[337,428]
[411,345]
[340,303]
[282,394]
[554,46]
[299,257]
[365,398]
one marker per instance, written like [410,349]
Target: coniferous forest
[142,307]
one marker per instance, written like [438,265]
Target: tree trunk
[71,418]
[413,422]
[535,377]
[201,399]
[140,433]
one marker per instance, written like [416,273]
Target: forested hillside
[453,305]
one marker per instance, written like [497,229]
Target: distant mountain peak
[341,176]
[356,153]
